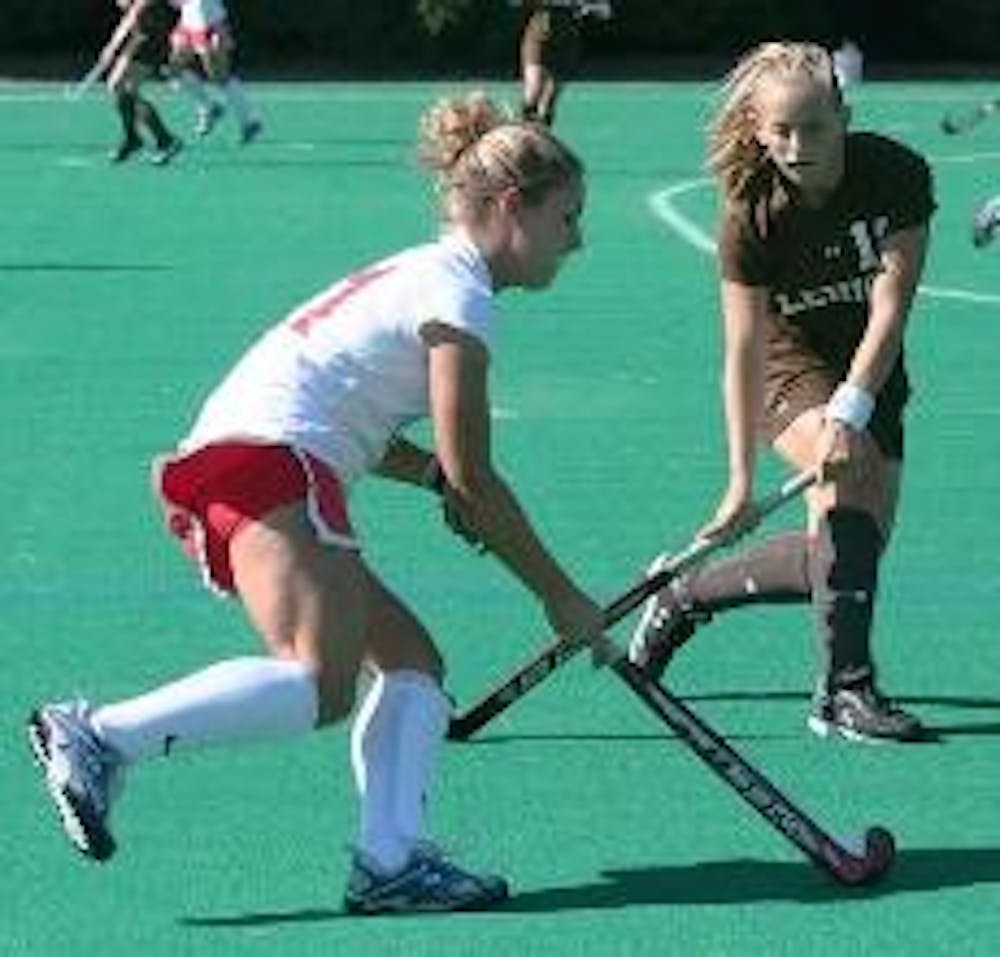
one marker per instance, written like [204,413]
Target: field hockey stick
[75,91]
[108,52]
[851,863]
[961,120]
[554,655]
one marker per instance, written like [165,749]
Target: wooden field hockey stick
[662,571]
[107,55]
[855,863]
[76,90]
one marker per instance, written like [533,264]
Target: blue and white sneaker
[428,882]
[986,222]
[250,131]
[83,775]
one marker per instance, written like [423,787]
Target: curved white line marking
[662,205]
[938,292]
[964,158]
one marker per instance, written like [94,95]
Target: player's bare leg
[217,64]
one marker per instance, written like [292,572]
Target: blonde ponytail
[475,150]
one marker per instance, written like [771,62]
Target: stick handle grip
[666,567]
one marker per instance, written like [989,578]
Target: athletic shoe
[862,714]
[164,154]
[667,622]
[125,149]
[427,882]
[83,775]
[207,119]
[251,131]
[986,222]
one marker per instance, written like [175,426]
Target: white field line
[661,203]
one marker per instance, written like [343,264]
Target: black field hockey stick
[662,571]
[863,863]
[963,119]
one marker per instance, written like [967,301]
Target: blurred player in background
[550,51]
[135,52]
[202,45]
[258,493]
[822,245]
[848,64]
[847,26]
[986,222]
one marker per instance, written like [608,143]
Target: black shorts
[154,39]
[787,398]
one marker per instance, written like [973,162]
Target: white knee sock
[242,699]
[232,89]
[193,85]
[394,742]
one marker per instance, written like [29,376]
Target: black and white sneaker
[166,152]
[83,775]
[666,623]
[127,148]
[986,223]
[862,714]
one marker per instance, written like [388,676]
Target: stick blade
[459,730]
[871,862]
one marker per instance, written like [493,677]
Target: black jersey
[152,30]
[819,263]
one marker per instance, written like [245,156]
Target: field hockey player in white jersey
[258,494]
[203,37]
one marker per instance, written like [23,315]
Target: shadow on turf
[741,881]
[563,737]
[936,732]
[750,881]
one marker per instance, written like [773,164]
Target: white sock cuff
[419,681]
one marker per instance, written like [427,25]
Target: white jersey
[347,369]
[201,14]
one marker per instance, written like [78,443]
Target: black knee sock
[125,103]
[845,581]
[774,572]
[146,114]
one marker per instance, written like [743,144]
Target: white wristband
[851,405]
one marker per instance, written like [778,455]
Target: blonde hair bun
[452,125]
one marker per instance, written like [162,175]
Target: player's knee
[336,699]
[436,667]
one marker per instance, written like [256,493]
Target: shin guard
[844,573]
